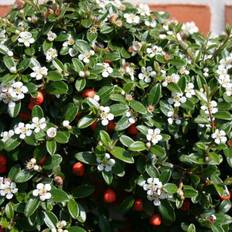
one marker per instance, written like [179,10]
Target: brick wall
[209,15]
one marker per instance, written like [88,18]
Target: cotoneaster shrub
[113,118]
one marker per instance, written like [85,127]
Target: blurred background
[209,15]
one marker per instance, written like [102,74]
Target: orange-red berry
[155,220]
[78,169]
[88,93]
[109,196]
[38,100]
[138,205]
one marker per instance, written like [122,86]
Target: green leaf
[82,46]
[118,109]
[86,157]
[170,188]
[73,208]
[71,112]
[126,140]
[9,62]
[224,115]
[122,124]
[137,146]
[31,206]
[37,112]
[23,176]
[59,195]
[138,107]
[50,219]
[62,137]
[86,121]
[83,191]
[105,138]
[51,146]
[82,214]
[167,212]
[14,109]
[54,76]
[11,144]
[76,229]
[189,191]
[122,154]
[9,210]
[80,84]
[77,64]
[57,87]
[53,162]
[127,203]
[191,228]
[108,177]
[154,95]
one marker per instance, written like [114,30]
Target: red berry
[78,169]
[25,116]
[36,101]
[186,205]
[3,170]
[111,126]
[138,205]
[132,130]
[155,220]
[109,196]
[3,160]
[88,93]
[225,197]
[1,229]
[93,126]
[43,160]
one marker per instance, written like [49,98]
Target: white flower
[26,38]
[177,99]
[23,130]
[32,166]
[152,24]
[189,28]
[7,135]
[66,124]
[106,163]
[85,57]
[154,135]
[173,78]
[146,74]
[129,69]
[39,72]
[7,188]
[154,50]
[219,136]
[70,41]
[38,124]
[132,18]
[42,191]
[51,54]
[51,36]
[107,70]
[17,91]
[60,227]
[131,118]
[105,115]
[154,189]
[206,72]
[135,47]
[51,132]
[189,90]
[144,9]
[211,108]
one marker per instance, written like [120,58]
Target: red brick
[200,14]
[228,14]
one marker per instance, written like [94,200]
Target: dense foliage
[113,118]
